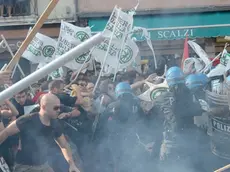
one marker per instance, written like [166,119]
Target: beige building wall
[90,6]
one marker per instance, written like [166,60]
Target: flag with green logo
[121,50]
[70,36]
[225,58]
[41,49]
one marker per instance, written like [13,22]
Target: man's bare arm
[63,144]
[11,130]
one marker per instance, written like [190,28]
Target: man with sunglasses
[37,132]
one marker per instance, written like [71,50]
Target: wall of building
[88,6]
[65,9]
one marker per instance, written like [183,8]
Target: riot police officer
[122,121]
[177,109]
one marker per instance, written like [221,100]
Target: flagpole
[31,34]
[50,67]
[218,56]
[17,65]
[79,71]
[119,57]
[107,52]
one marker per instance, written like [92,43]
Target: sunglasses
[56,108]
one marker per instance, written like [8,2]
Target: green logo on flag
[224,59]
[48,51]
[126,55]
[82,36]
[157,92]
[56,74]
[83,57]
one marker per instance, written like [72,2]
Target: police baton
[94,126]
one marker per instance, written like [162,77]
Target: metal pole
[57,63]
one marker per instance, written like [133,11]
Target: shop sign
[174,34]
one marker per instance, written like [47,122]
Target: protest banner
[41,49]
[71,36]
[103,62]
[200,52]
[127,54]
[120,28]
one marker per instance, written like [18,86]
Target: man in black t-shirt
[57,87]
[37,132]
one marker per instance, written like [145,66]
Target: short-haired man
[20,100]
[38,131]
[57,87]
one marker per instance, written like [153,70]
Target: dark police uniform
[179,132]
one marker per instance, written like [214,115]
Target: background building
[24,14]
[206,21]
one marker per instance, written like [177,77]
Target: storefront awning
[177,26]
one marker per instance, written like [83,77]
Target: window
[11,8]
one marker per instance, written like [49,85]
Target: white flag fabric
[193,65]
[225,58]
[125,22]
[71,36]
[121,28]
[41,48]
[200,52]
[223,67]
[217,71]
[153,92]
[29,109]
[144,33]
[129,53]
[58,73]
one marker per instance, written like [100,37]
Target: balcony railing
[15,12]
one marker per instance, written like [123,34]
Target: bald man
[37,132]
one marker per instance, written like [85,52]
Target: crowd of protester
[74,128]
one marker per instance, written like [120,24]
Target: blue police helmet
[123,88]
[194,81]
[174,76]
[203,78]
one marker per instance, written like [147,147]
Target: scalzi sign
[174,34]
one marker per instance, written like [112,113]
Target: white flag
[41,48]
[153,92]
[125,22]
[57,74]
[29,109]
[71,36]
[129,53]
[120,29]
[200,52]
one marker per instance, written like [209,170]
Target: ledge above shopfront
[177,26]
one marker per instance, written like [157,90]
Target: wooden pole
[223,168]
[32,34]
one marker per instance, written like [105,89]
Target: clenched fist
[5,77]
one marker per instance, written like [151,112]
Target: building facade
[206,21]
[14,24]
